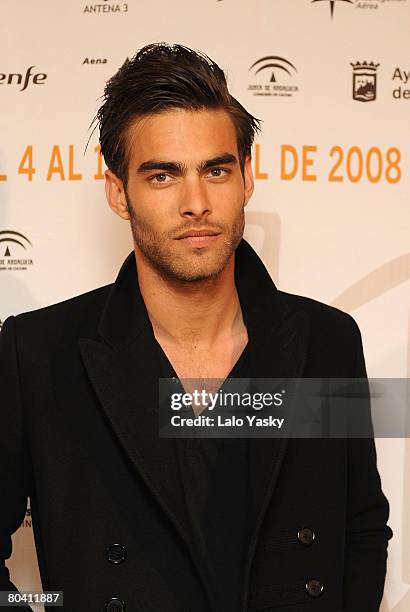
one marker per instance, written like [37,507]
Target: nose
[195,203]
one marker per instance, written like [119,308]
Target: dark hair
[161,77]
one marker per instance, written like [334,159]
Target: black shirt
[214,474]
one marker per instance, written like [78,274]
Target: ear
[114,190]
[248,179]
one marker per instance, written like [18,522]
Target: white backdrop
[335,226]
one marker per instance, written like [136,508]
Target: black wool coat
[79,437]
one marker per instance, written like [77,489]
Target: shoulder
[72,317]
[335,338]
[322,316]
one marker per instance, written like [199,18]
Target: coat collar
[122,365]
[125,317]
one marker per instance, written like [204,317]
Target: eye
[218,172]
[158,178]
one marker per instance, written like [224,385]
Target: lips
[197,234]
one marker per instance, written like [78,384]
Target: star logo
[332,4]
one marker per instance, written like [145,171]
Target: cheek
[227,200]
[151,216]
[232,190]
[150,199]
[147,204]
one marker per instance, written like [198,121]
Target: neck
[196,314]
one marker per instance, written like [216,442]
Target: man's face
[184,175]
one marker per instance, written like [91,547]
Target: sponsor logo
[332,4]
[106,7]
[364,81]
[400,78]
[18,78]
[375,4]
[12,241]
[272,69]
[359,4]
[97,60]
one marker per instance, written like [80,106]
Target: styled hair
[162,77]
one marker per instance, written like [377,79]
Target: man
[124,519]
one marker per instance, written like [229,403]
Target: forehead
[181,135]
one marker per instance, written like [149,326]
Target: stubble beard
[194,264]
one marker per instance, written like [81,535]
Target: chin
[197,272]
[195,275]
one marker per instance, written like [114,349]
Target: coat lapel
[280,341]
[122,364]
[282,355]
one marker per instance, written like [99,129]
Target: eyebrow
[181,168]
